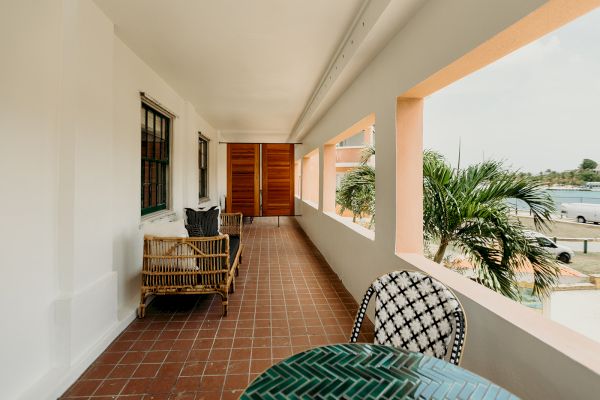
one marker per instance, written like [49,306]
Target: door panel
[242,178]
[278,179]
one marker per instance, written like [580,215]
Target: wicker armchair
[194,265]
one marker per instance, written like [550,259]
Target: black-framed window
[156,129]
[203,166]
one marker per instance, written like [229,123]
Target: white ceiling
[265,69]
[247,66]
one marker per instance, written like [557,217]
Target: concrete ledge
[369,234]
[310,203]
[574,286]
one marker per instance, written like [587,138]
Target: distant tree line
[586,172]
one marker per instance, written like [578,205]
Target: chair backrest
[174,261]
[415,312]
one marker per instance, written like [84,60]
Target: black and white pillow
[205,220]
[195,230]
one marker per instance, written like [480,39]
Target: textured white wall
[70,162]
[30,44]
[132,75]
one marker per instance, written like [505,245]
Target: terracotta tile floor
[287,299]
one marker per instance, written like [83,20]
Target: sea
[565,196]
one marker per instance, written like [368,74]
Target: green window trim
[202,167]
[155,159]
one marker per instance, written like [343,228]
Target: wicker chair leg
[224,306]
[141,311]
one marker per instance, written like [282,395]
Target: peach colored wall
[298,178]
[310,178]
[409,176]
[329,170]
[348,154]
[364,123]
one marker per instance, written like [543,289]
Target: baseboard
[59,379]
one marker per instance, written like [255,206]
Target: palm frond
[357,192]
[366,154]
[469,209]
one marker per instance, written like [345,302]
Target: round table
[368,371]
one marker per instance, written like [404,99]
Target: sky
[537,108]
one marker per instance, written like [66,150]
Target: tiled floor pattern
[287,299]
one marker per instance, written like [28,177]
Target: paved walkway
[287,300]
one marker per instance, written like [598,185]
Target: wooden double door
[245,161]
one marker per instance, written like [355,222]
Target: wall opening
[410,159]
[349,175]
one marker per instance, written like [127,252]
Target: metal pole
[585,246]
[278,221]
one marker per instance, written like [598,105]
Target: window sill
[169,215]
[369,234]
[310,203]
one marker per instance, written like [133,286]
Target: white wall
[71,233]
[498,347]
[31,57]
[132,75]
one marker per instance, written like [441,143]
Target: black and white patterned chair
[415,312]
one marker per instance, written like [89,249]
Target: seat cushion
[234,246]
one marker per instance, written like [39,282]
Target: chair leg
[360,315]
[224,302]
[141,311]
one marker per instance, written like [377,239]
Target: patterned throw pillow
[195,230]
[208,220]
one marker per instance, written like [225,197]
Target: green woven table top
[368,371]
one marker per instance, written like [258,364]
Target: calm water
[567,196]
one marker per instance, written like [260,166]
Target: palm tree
[357,189]
[468,209]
